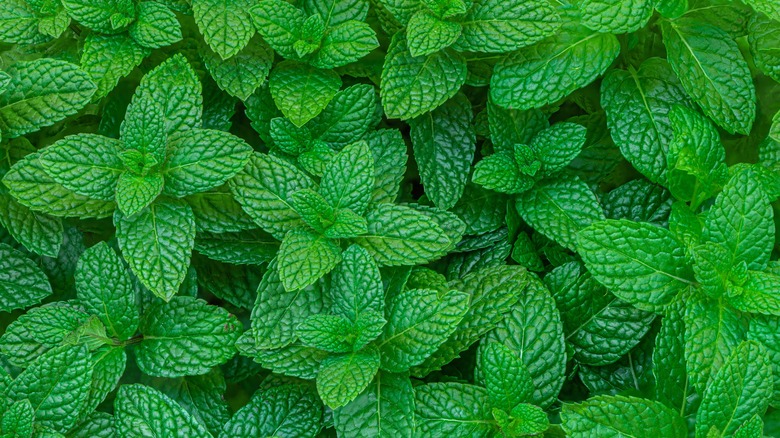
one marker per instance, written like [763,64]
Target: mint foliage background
[389,218]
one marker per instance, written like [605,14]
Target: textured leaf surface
[156,26]
[300,91]
[713,72]
[552,68]
[559,208]
[349,177]
[305,257]
[507,381]
[225,24]
[41,93]
[414,85]
[638,262]
[184,337]
[616,16]
[452,409]
[741,389]
[385,408]
[141,411]
[157,244]
[288,410]
[105,289]
[37,232]
[444,142]
[242,73]
[22,283]
[622,416]
[418,321]
[342,378]
[109,58]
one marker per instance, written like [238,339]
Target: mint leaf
[650,276]
[389,151]
[356,285]
[418,321]
[763,329]
[109,17]
[87,164]
[399,235]
[185,337]
[384,408]
[616,16]
[139,409]
[305,257]
[582,54]
[725,93]
[345,43]
[444,143]
[135,192]
[287,410]
[279,23]
[741,221]
[453,409]
[225,24]
[105,289]
[506,379]
[559,208]
[638,417]
[637,103]
[757,294]
[19,23]
[156,26]
[348,178]
[671,378]
[762,36]
[242,73]
[426,33]
[22,283]
[741,389]
[109,58]
[56,386]
[263,188]
[495,26]
[413,85]
[300,91]
[41,93]
[202,159]
[342,378]
[157,244]
[37,232]
[18,420]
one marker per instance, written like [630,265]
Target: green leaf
[389,151]
[202,159]
[344,44]
[109,58]
[157,244]
[507,381]
[22,283]
[559,208]
[18,420]
[108,17]
[348,116]
[641,201]
[300,91]
[226,25]
[242,73]
[758,294]
[741,220]
[444,143]
[671,378]
[287,410]
[37,232]
[452,409]
[616,16]
[560,64]
[19,23]
[766,330]
[426,33]
[87,164]
[280,25]
[501,173]
[556,146]
[650,273]
[249,247]
[105,289]
[185,337]
[741,389]
[767,7]
[135,192]
[763,39]
[142,411]
[264,188]
[356,286]
[533,330]
[96,425]
[342,378]
[509,127]
[615,416]
[156,26]
[637,103]
[175,87]
[713,72]
[399,235]
[493,292]
[414,85]
[498,26]
[349,178]
[418,322]
[385,408]
[712,332]
[216,211]
[305,257]
[326,332]
[41,93]
[56,385]
[277,311]
[202,396]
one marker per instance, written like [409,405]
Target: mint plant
[391,218]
